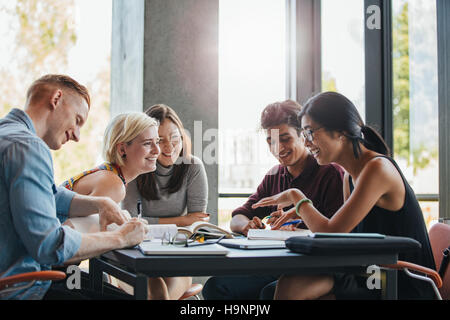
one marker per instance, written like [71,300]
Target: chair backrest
[440,240]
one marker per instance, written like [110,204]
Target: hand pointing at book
[281,200]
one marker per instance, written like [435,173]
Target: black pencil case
[350,246]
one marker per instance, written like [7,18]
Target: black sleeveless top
[406,222]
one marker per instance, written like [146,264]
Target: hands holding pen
[283,220]
[242,224]
[277,220]
[284,199]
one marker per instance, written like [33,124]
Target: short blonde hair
[123,129]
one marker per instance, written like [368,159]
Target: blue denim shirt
[32,208]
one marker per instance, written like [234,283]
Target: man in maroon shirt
[297,169]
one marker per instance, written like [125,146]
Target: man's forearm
[82,206]
[95,244]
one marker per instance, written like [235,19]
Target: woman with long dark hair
[377,199]
[130,148]
[177,191]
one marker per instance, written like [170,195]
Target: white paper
[157,231]
[259,234]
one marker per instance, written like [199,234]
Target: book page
[157,231]
[209,227]
[205,225]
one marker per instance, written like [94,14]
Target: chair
[6,284]
[440,240]
[193,291]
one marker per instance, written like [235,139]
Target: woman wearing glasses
[130,148]
[296,169]
[377,199]
[177,192]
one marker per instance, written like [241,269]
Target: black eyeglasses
[308,134]
[183,240]
[174,140]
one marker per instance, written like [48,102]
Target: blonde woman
[177,191]
[131,148]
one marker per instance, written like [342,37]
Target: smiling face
[324,145]
[171,143]
[70,112]
[143,151]
[286,145]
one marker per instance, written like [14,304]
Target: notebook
[265,234]
[247,244]
[156,248]
[348,235]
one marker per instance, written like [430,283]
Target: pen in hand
[139,209]
[291,222]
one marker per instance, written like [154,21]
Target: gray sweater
[191,197]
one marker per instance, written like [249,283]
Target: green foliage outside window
[419,156]
[44,33]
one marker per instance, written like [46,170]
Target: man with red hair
[32,208]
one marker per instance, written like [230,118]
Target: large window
[252,74]
[415,83]
[415,98]
[343,49]
[66,37]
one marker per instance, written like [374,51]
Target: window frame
[379,80]
[378,71]
[293,38]
[379,91]
[443,30]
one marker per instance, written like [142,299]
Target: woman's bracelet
[297,206]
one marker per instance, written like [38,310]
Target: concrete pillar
[166,51]
[127,56]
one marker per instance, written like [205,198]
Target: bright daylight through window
[252,74]
[68,37]
[415,98]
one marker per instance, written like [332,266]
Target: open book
[208,229]
[91,224]
[266,234]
